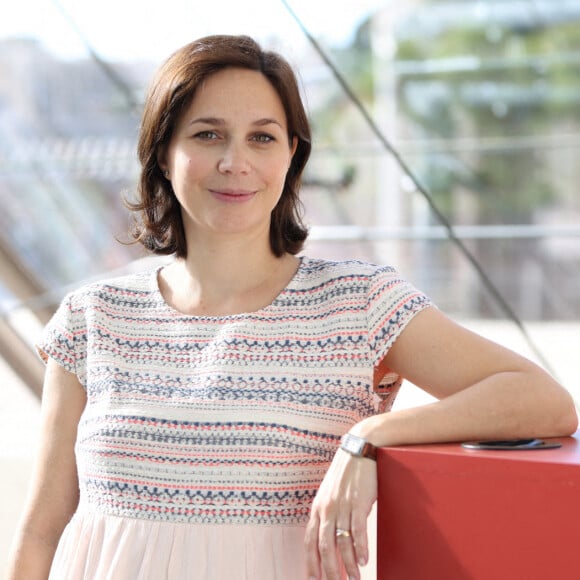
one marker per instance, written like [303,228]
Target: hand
[344,501]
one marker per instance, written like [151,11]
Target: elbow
[570,422]
[565,418]
[555,409]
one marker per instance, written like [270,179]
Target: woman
[206,400]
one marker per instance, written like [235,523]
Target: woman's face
[229,155]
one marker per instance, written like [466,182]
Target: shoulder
[344,270]
[377,287]
[353,277]
[128,289]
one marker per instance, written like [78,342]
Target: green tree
[498,87]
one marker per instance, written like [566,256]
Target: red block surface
[447,513]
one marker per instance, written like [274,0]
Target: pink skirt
[102,547]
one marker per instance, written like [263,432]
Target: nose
[234,159]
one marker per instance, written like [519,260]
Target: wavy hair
[158,224]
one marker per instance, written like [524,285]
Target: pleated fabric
[103,547]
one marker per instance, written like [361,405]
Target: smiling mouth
[232,195]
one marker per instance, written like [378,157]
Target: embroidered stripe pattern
[229,419]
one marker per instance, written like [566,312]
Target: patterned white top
[230,419]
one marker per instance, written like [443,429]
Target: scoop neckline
[154,281]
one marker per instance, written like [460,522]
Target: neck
[229,271]
[226,279]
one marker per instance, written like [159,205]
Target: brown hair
[160,228]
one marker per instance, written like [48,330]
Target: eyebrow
[220,122]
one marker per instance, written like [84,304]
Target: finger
[329,556]
[344,544]
[360,541]
[311,548]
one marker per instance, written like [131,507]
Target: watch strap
[358,446]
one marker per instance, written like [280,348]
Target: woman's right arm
[53,495]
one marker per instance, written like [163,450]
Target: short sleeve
[64,337]
[392,304]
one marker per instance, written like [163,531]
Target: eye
[263,138]
[206,135]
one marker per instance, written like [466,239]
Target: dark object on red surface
[449,513]
[511,444]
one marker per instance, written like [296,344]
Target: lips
[233,195]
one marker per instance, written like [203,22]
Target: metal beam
[474,232]
[21,358]
[19,353]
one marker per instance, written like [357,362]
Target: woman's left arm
[484,391]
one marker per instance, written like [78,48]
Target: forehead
[235,91]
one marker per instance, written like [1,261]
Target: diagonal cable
[486,280]
[116,79]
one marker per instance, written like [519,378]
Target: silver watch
[358,446]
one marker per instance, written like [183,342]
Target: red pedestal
[446,513]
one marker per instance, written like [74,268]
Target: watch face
[353,444]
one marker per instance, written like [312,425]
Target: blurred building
[479,99]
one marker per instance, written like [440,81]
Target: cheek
[190,165]
[279,171]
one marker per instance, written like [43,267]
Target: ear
[293,146]
[162,158]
